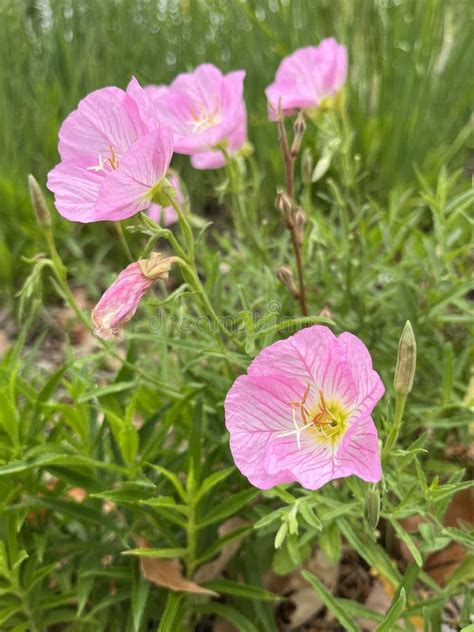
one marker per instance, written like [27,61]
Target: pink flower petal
[101,122]
[76,187]
[358,453]
[141,107]
[312,356]
[255,409]
[311,463]
[368,385]
[127,190]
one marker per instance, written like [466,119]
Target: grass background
[388,238]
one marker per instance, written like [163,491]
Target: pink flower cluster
[117,146]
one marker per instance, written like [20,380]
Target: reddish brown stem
[289,161]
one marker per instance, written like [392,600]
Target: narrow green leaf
[403,535]
[229,587]
[232,615]
[211,481]
[229,507]
[393,613]
[153,552]
[331,602]
[172,613]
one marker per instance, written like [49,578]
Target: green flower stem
[123,241]
[185,229]
[191,532]
[393,435]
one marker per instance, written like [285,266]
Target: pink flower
[167,215]
[113,156]
[204,108]
[307,76]
[120,302]
[302,412]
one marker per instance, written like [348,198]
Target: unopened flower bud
[284,206]
[372,506]
[406,361]
[40,207]
[306,166]
[299,221]
[119,303]
[299,127]
[285,276]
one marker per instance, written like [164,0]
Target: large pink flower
[203,108]
[302,412]
[307,76]
[113,156]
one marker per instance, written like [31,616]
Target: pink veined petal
[358,453]
[126,191]
[101,121]
[312,356]
[257,408]
[311,463]
[76,187]
[369,387]
[141,107]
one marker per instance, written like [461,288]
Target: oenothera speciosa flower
[119,303]
[303,412]
[114,156]
[306,77]
[206,110]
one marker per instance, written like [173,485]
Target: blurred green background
[409,92]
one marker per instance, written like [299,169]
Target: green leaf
[139,598]
[173,479]
[232,615]
[463,574]
[393,613]
[371,552]
[172,613]
[228,507]
[229,587]
[166,502]
[403,535]
[331,602]
[153,552]
[211,481]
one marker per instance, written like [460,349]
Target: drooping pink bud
[120,302]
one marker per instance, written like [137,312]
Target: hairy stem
[397,422]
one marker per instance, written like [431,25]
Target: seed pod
[299,128]
[406,361]
[285,276]
[372,506]
[299,221]
[43,216]
[284,205]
